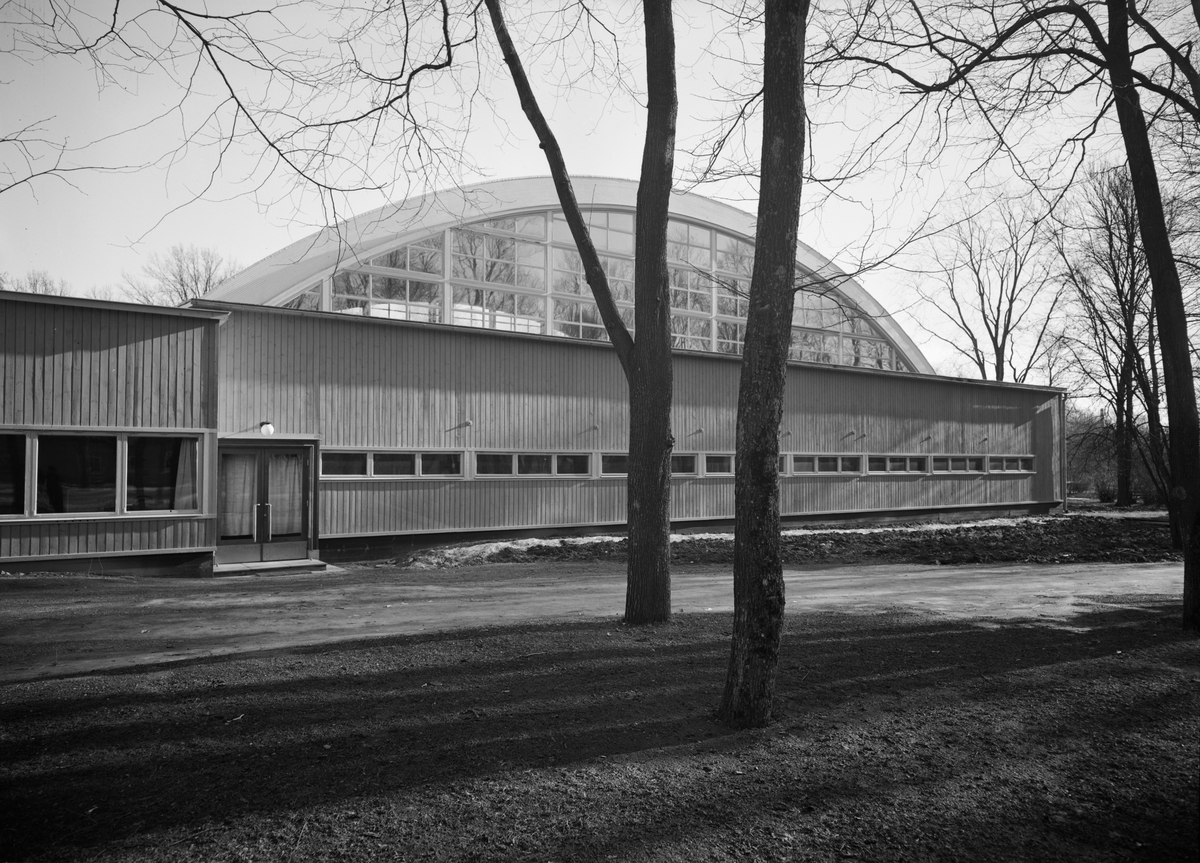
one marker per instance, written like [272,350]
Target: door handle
[254,524]
[267,523]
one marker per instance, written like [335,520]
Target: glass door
[263,511]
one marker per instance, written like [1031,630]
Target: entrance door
[264,504]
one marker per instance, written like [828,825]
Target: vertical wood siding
[104,368]
[110,536]
[112,370]
[378,384]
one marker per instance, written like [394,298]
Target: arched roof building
[499,255]
[438,369]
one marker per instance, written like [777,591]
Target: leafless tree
[992,292]
[36,282]
[1005,63]
[183,273]
[1113,336]
[336,116]
[758,589]
[645,360]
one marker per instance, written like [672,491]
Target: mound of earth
[1049,539]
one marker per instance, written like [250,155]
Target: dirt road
[53,626]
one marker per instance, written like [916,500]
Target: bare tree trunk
[1124,429]
[1168,308]
[646,360]
[648,588]
[758,594]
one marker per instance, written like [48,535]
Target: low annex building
[439,369]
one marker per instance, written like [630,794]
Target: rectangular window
[160,474]
[441,464]
[573,465]
[12,474]
[733,298]
[690,291]
[578,321]
[343,464]
[683,464]
[827,464]
[493,464]
[406,300]
[814,347]
[394,464]
[730,337]
[851,464]
[498,310]
[783,464]
[76,473]
[689,333]
[958,464]
[689,243]
[533,464]
[1009,464]
[804,464]
[486,258]
[422,257]
[614,463]
[718,464]
[897,464]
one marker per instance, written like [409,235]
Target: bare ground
[899,735]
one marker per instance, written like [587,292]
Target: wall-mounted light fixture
[266,427]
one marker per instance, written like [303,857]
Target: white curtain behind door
[285,489]
[239,494]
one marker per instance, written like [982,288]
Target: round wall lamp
[266,428]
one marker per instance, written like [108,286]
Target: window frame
[1020,470]
[950,470]
[910,468]
[844,464]
[373,475]
[121,486]
[695,457]
[554,456]
[708,471]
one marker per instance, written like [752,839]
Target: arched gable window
[521,273]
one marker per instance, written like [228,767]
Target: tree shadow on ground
[100,760]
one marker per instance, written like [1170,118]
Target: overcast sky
[93,227]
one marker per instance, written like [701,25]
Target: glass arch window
[522,273]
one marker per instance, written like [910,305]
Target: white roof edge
[355,240]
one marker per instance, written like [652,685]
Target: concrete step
[272,567]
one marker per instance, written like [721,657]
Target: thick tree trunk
[648,588]
[1124,432]
[646,360]
[1184,434]
[758,594]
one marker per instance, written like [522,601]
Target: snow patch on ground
[475,553]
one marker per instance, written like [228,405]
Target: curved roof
[280,276]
